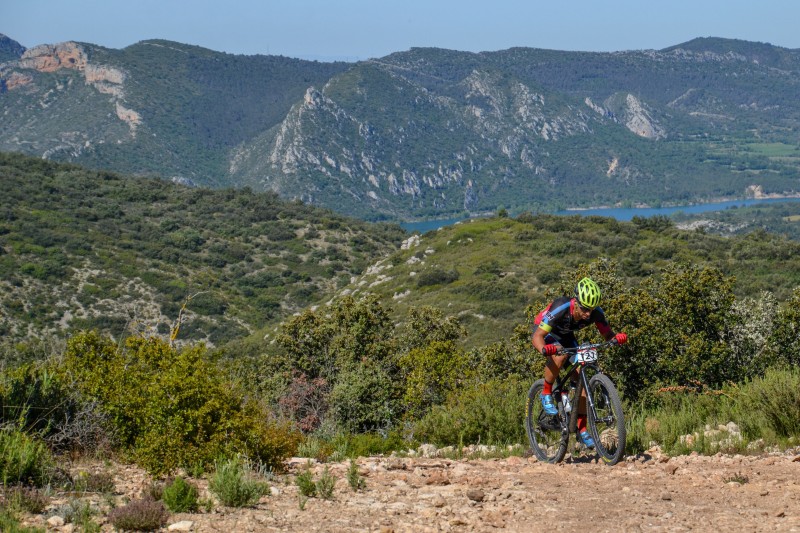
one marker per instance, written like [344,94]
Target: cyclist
[555,327]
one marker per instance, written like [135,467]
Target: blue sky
[361,29]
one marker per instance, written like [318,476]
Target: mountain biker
[555,327]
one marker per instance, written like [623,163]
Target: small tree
[430,373]
[676,324]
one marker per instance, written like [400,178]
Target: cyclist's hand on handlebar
[621,338]
[549,349]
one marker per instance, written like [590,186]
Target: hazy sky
[361,29]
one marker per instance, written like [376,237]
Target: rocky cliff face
[441,150]
[51,58]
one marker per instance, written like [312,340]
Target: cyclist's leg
[551,371]
[554,362]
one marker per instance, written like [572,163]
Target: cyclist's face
[581,313]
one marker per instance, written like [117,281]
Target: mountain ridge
[428,132]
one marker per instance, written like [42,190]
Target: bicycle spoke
[607,423]
[547,440]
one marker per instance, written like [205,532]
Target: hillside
[81,248]
[87,249]
[776,218]
[487,271]
[155,107]
[422,133]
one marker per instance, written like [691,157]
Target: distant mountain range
[422,133]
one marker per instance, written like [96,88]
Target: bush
[33,388]
[180,496]
[430,373]
[23,459]
[764,408]
[362,400]
[489,412]
[436,276]
[354,477]
[676,323]
[233,485]
[9,523]
[305,402]
[769,407]
[326,484]
[305,483]
[171,407]
[80,513]
[139,515]
[368,444]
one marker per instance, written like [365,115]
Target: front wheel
[548,440]
[608,428]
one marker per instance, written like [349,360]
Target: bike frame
[562,384]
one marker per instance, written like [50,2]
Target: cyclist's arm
[599,319]
[538,339]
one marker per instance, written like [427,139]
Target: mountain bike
[549,434]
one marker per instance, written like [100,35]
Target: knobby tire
[609,431]
[548,444]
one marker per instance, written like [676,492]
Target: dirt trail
[689,493]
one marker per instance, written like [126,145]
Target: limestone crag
[70,55]
[51,57]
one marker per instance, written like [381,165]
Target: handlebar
[588,346]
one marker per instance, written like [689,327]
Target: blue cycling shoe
[584,438]
[548,405]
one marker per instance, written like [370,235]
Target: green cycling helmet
[588,293]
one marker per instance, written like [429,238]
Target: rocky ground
[650,492]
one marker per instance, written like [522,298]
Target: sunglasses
[586,309]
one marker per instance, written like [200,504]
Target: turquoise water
[623,214]
[629,213]
[429,225]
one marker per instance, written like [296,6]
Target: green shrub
[354,477]
[80,513]
[363,399]
[430,374]
[233,484]
[305,483]
[368,444]
[180,496]
[673,416]
[326,484]
[764,408]
[23,459]
[769,407]
[488,412]
[436,276]
[33,388]
[139,515]
[172,407]
[676,323]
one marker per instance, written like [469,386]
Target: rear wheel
[548,442]
[608,429]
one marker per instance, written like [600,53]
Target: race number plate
[588,355]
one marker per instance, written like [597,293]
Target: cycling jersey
[558,322]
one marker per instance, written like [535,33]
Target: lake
[628,213]
[619,213]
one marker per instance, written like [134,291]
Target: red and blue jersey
[557,319]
